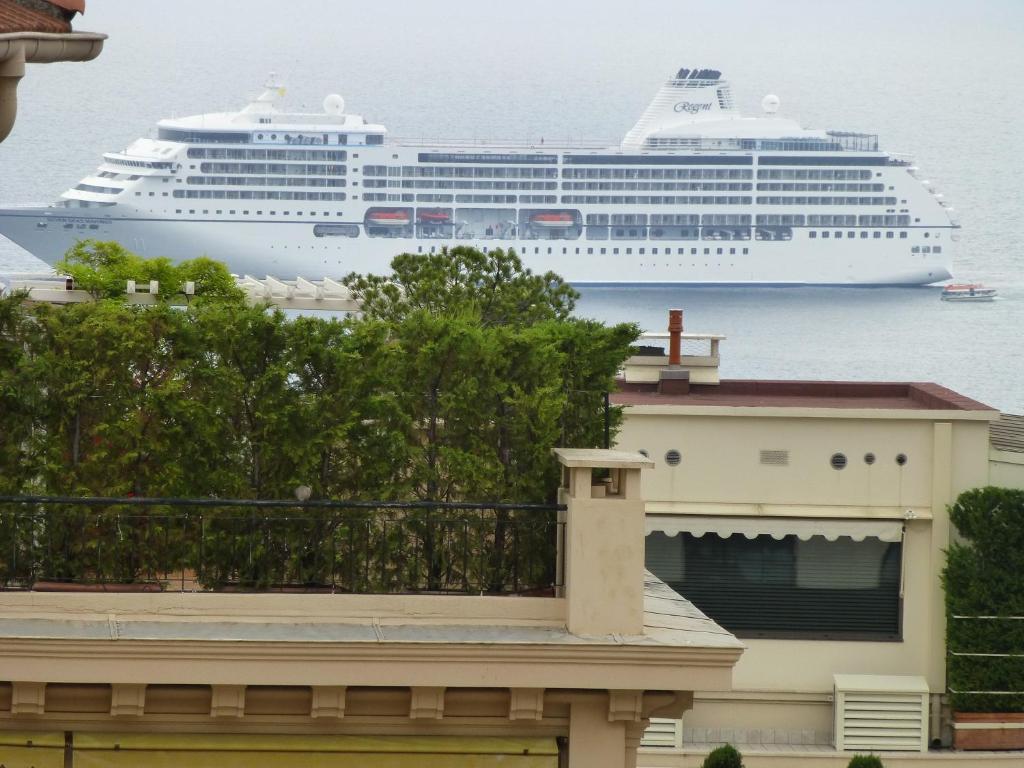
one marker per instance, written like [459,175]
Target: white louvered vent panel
[881,720]
[663,733]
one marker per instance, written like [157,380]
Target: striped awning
[776,527]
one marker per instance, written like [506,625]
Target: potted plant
[984,584]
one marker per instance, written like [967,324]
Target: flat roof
[914,396]
[670,621]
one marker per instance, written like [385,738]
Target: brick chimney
[674,380]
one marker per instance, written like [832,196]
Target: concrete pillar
[594,741]
[12,69]
[942,496]
[604,541]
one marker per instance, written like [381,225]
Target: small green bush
[723,757]
[865,761]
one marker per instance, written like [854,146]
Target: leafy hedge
[984,576]
[461,374]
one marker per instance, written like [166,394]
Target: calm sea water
[939,80]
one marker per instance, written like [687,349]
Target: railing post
[604,541]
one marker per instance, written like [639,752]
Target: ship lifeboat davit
[434,217]
[555,220]
[388,218]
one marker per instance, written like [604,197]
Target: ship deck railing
[540,144]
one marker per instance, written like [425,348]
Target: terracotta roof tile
[70,5]
[15,17]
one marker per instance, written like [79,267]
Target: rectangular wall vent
[663,733]
[878,713]
[775,458]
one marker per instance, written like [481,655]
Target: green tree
[460,375]
[984,577]
[103,269]
[496,369]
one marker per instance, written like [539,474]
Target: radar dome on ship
[770,104]
[334,105]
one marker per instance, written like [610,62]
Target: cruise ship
[695,193]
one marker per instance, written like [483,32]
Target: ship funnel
[693,96]
[273,89]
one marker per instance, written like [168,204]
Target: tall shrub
[984,577]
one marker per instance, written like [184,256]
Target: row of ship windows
[566,199]
[800,200]
[266,154]
[813,174]
[397,184]
[568,185]
[138,163]
[804,187]
[219,194]
[627,199]
[657,173]
[627,251]
[289,170]
[264,181]
[416,171]
[863,235]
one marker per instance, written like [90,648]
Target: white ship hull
[695,194]
[289,249]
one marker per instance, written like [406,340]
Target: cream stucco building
[223,680]
[809,518]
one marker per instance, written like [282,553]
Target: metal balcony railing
[62,543]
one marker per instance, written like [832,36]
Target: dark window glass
[204,137]
[439,157]
[783,160]
[656,160]
[764,587]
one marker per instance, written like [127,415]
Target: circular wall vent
[901,459]
[869,458]
[838,461]
[673,457]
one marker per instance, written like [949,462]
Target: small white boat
[968,292]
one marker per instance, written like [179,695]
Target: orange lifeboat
[434,217]
[553,220]
[388,218]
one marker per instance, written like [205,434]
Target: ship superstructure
[695,193]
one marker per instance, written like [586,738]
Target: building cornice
[580,666]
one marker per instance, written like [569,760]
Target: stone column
[594,741]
